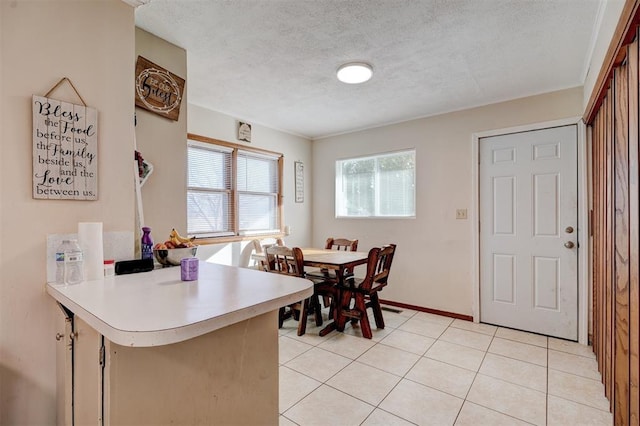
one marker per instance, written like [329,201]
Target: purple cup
[189,269]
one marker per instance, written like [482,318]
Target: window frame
[234,203]
[375,156]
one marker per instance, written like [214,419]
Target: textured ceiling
[273,62]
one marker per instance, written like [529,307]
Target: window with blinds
[257,193]
[231,191]
[382,185]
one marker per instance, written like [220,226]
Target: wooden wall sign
[65,150]
[157,89]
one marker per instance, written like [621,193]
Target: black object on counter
[134,266]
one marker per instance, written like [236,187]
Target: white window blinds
[209,206]
[231,191]
[257,187]
[376,186]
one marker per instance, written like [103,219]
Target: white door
[528,231]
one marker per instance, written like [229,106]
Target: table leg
[337,306]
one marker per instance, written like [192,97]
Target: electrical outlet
[461,213]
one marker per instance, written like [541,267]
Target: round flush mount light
[355,72]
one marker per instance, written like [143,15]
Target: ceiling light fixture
[355,72]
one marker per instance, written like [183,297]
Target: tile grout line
[546,400]
[403,377]
[377,406]
[474,377]
[424,355]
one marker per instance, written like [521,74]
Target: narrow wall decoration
[65,150]
[299,181]
[158,90]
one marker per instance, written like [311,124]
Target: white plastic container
[109,268]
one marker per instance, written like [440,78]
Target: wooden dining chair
[290,261]
[358,294]
[259,248]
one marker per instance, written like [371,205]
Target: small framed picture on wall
[299,181]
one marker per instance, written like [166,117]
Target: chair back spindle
[288,261]
[364,292]
[343,244]
[285,260]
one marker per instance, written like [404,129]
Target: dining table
[338,261]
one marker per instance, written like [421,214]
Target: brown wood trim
[235,220]
[608,249]
[203,241]
[427,310]
[280,201]
[634,238]
[235,199]
[205,139]
[620,300]
[623,35]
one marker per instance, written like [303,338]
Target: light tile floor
[431,370]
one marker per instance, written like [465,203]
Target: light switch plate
[461,213]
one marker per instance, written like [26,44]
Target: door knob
[569,244]
[568,230]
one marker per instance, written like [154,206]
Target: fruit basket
[174,256]
[176,248]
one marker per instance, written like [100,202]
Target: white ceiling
[273,62]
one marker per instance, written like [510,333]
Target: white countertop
[157,308]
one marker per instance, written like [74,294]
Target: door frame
[583,213]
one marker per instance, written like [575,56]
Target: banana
[178,239]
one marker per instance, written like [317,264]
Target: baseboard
[428,310]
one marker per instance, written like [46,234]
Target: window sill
[233,239]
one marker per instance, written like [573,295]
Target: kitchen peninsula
[149,348]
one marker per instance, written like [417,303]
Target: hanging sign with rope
[65,149]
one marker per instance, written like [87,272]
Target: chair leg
[315,301]
[342,302]
[302,321]
[360,306]
[280,317]
[326,301]
[377,310]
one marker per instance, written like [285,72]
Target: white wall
[297,216]
[433,265]
[610,14]
[92,43]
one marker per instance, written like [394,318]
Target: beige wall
[92,43]
[296,215]
[163,142]
[433,266]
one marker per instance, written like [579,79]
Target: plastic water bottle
[60,262]
[69,263]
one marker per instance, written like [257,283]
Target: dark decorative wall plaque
[157,89]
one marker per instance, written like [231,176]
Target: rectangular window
[257,193]
[232,191]
[380,185]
